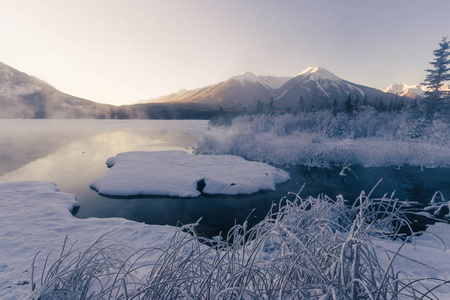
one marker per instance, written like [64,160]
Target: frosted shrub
[312,248]
[440,133]
[322,138]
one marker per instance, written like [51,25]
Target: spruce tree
[301,106]
[348,106]
[438,74]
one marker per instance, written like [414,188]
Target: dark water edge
[220,212]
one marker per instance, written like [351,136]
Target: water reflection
[72,155]
[220,212]
[74,165]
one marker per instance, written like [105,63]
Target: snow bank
[179,174]
[34,217]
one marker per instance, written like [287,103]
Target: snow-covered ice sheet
[34,217]
[179,174]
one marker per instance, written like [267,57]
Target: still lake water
[72,153]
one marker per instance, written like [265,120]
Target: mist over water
[72,153]
[25,141]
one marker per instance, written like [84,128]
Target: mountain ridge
[26,96]
[315,87]
[415,91]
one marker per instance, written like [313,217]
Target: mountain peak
[403,89]
[246,76]
[270,82]
[317,72]
[311,70]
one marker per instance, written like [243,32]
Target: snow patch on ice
[178,174]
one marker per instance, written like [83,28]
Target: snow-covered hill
[25,96]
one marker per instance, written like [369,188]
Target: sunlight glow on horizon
[121,52]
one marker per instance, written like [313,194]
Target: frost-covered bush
[322,138]
[313,248]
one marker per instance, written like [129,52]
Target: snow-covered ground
[35,217]
[179,174]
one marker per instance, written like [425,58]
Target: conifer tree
[334,108]
[271,104]
[439,73]
[301,106]
[348,106]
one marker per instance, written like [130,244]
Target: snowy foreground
[179,174]
[35,217]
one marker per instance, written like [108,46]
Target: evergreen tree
[357,103]
[439,73]
[301,106]
[365,101]
[271,104]
[348,104]
[259,106]
[334,108]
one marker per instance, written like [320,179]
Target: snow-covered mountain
[235,92]
[411,91]
[405,90]
[316,86]
[270,82]
[24,96]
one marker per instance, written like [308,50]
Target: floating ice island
[180,174]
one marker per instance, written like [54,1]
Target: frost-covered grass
[313,248]
[322,138]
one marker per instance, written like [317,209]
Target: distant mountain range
[315,87]
[27,97]
[411,91]
[24,96]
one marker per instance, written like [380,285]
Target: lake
[72,153]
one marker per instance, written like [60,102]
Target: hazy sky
[119,52]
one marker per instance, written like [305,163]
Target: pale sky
[120,52]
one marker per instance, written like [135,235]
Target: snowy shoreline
[35,217]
